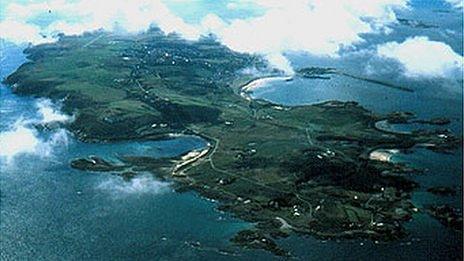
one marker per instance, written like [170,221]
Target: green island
[320,170]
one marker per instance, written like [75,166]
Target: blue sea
[49,211]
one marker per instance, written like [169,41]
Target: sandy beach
[383,155]
[261,82]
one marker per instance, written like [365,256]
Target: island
[305,170]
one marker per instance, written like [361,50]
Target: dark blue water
[52,212]
[49,211]
[428,239]
[431,98]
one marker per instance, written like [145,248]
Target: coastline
[257,83]
[258,125]
[384,155]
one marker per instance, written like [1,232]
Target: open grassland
[302,169]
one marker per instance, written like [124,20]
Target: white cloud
[456,3]
[23,138]
[319,27]
[212,23]
[19,32]
[143,184]
[420,56]
[76,17]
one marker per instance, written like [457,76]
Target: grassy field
[302,169]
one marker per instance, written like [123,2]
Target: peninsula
[303,169]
